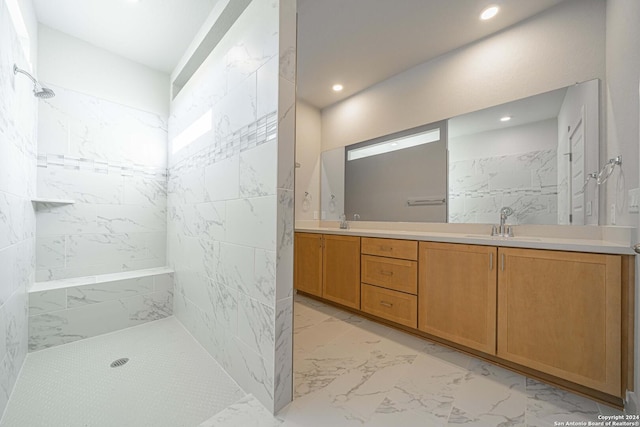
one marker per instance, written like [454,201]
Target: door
[341,270]
[560,313]
[308,263]
[457,293]
[576,171]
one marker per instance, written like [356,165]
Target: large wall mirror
[534,155]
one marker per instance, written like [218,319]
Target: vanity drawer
[392,248]
[391,305]
[396,274]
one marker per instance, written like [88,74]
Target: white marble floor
[170,380]
[349,371]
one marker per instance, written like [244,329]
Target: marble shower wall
[527,182]
[230,202]
[111,160]
[18,113]
[69,310]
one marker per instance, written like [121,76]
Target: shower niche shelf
[53,201]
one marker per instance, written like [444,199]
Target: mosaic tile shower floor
[170,380]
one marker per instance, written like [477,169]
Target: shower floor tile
[169,380]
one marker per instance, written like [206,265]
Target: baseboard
[632,403]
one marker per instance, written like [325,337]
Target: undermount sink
[516,238]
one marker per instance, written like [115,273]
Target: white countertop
[481,236]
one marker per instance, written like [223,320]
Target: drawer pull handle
[386,304]
[386,248]
[386,273]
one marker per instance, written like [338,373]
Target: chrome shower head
[43,93]
[39,91]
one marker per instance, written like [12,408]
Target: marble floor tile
[547,404]
[247,412]
[367,374]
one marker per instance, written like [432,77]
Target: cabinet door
[457,294]
[308,263]
[341,270]
[559,312]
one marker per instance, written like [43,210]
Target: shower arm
[18,70]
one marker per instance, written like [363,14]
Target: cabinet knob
[637,248]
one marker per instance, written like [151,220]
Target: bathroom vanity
[557,309]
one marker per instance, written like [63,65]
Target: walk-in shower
[39,91]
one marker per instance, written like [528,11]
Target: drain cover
[119,362]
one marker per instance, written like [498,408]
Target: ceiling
[155,33]
[361,42]
[527,110]
[354,42]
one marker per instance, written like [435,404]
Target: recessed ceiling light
[505,118]
[337,87]
[489,12]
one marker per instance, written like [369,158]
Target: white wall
[623,75]
[308,140]
[623,71]
[18,113]
[74,64]
[552,50]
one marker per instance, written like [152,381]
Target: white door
[576,171]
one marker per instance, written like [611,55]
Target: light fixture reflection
[401,143]
[489,12]
[505,118]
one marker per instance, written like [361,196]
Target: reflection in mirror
[537,163]
[399,177]
[332,184]
[532,155]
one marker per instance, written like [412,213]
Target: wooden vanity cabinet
[457,294]
[390,279]
[307,267]
[341,270]
[560,313]
[328,266]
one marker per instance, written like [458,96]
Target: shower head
[43,93]
[39,91]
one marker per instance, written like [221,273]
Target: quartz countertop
[586,239]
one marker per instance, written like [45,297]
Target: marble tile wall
[111,160]
[527,182]
[18,113]
[230,202]
[67,314]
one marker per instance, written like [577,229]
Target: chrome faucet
[503,230]
[344,224]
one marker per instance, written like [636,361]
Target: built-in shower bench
[67,310]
